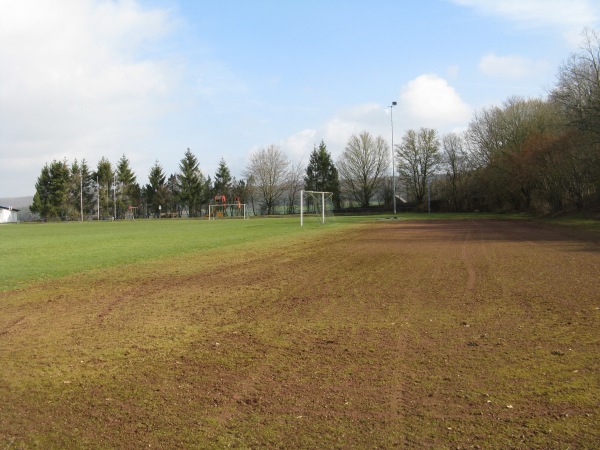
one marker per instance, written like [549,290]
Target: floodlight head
[394,103]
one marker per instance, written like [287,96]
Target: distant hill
[17,202]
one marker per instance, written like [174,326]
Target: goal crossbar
[323,196]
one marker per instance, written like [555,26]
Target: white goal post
[227,210]
[319,197]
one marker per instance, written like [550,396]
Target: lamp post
[98,197]
[81,192]
[114,196]
[393,162]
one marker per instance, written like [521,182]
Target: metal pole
[301,207]
[98,196]
[114,198]
[81,193]
[393,162]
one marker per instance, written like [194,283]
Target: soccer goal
[227,211]
[316,204]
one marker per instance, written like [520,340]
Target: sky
[148,79]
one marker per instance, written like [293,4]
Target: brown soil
[441,334]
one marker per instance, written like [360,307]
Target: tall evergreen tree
[42,193]
[191,183]
[157,192]
[126,186]
[321,173]
[104,177]
[51,199]
[223,180]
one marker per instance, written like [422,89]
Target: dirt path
[442,334]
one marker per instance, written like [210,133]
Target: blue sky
[149,79]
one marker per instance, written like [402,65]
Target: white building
[8,214]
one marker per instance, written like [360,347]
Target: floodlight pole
[393,162]
[114,196]
[98,196]
[81,192]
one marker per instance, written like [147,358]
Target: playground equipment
[221,209]
[131,212]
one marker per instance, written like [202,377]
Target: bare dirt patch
[441,334]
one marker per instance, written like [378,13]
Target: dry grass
[406,334]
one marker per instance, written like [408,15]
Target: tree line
[73,191]
[528,155]
[540,156]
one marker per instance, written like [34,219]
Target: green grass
[39,251]
[576,222]
[36,252]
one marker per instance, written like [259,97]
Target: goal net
[316,204]
[227,211]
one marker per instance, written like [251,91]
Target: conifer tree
[191,183]
[223,180]
[51,199]
[104,177]
[156,191]
[126,186]
[321,174]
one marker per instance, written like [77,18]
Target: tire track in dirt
[11,325]
[367,350]
[319,350]
[474,247]
[468,261]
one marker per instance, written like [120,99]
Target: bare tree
[268,168]
[295,182]
[418,157]
[578,94]
[578,87]
[457,163]
[363,166]
[498,137]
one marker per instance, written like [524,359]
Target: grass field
[44,251]
[362,333]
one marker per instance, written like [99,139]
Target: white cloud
[336,131]
[74,82]
[512,66]
[429,101]
[299,145]
[353,120]
[569,16]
